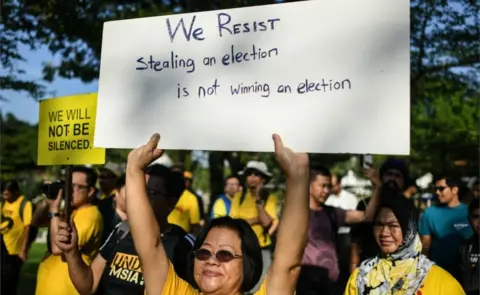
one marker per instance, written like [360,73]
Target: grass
[28,277]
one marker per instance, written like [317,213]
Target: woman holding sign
[227,258]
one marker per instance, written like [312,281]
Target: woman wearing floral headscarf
[400,269]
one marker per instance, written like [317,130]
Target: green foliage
[73,30]
[18,146]
[12,32]
[18,157]
[116,155]
[445,127]
[444,74]
[28,276]
[444,38]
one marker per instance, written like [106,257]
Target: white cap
[163,160]
[258,166]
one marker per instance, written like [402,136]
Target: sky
[25,107]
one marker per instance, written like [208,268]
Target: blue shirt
[448,227]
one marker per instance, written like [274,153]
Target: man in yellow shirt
[258,208]
[52,277]
[186,213]
[223,203]
[189,186]
[16,216]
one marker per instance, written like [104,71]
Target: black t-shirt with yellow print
[123,274]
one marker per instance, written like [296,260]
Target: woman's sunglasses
[222,256]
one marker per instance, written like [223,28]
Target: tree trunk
[234,161]
[185,158]
[215,161]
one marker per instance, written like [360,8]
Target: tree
[73,29]
[445,128]
[18,146]
[444,40]
[445,67]
[444,51]
[444,34]
[15,32]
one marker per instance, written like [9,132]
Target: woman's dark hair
[12,186]
[394,164]
[120,182]
[403,209]
[251,251]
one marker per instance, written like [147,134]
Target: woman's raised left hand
[144,155]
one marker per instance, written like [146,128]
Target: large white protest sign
[328,76]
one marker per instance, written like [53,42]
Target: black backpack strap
[190,239]
[22,207]
[122,231]
[242,196]
[1,209]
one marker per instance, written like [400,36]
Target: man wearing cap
[445,226]
[258,208]
[107,179]
[186,213]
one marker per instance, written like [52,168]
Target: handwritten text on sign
[226,80]
[66,131]
[191,31]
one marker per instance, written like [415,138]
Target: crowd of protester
[144,230]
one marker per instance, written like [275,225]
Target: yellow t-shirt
[174,285]
[219,208]
[437,282]
[52,277]
[12,227]
[248,209]
[186,212]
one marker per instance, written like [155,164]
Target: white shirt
[346,201]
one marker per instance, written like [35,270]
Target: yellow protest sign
[66,130]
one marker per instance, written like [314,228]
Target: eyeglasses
[79,187]
[475,216]
[222,256]
[440,188]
